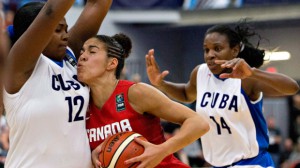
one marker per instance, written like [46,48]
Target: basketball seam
[106,143]
[123,151]
[119,150]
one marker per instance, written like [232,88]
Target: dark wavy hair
[118,46]
[239,35]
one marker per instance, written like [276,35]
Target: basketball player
[44,102]
[122,105]
[228,89]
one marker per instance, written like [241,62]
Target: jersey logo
[120,104]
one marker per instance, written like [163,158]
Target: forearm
[279,82]
[88,23]
[96,9]
[175,91]
[191,130]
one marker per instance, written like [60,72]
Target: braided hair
[118,46]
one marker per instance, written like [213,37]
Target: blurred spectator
[274,140]
[4,142]
[136,78]
[211,4]
[294,158]
[194,154]
[124,74]
[288,147]
[294,117]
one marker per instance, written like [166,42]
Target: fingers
[150,57]
[150,60]
[95,157]
[229,63]
[164,74]
[225,75]
[137,158]
[220,61]
[141,142]
[132,160]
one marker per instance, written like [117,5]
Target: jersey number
[78,100]
[222,124]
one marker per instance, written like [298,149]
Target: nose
[65,36]
[82,57]
[210,54]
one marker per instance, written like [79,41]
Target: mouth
[211,63]
[63,46]
[79,66]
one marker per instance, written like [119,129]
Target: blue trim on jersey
[60,63]
[263,159]
[259,121]
[218,76]
[71,54]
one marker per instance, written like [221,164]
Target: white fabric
[41,135]
[224,148]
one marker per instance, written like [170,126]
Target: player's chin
[80,76]
[215,69]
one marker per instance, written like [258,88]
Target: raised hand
[240,68]
[155,76]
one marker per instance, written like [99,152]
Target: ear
[112,63]
[235,51]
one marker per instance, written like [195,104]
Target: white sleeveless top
[46,119]
[237,126]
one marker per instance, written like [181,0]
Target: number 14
[222,125]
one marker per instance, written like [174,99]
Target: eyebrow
[93,46]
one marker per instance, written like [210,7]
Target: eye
[81,52]
[206,50]
[57,30]
[217,49]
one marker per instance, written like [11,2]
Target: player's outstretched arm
[183,92]
[88,23]
[25,52]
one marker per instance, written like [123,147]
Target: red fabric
[118,116]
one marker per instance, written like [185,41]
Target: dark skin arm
[255,81]
[24,54]
[88,23]
[183,92]
[4,43]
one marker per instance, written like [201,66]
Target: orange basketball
[120,147]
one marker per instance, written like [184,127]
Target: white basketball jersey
[237,127]
[47,119]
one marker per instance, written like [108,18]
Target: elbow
[204,127]
[295,88]
[207,127]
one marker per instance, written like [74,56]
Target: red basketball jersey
[117,115]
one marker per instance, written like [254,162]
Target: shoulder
[140,91]
[140,88]
[248,86]
[194,73]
